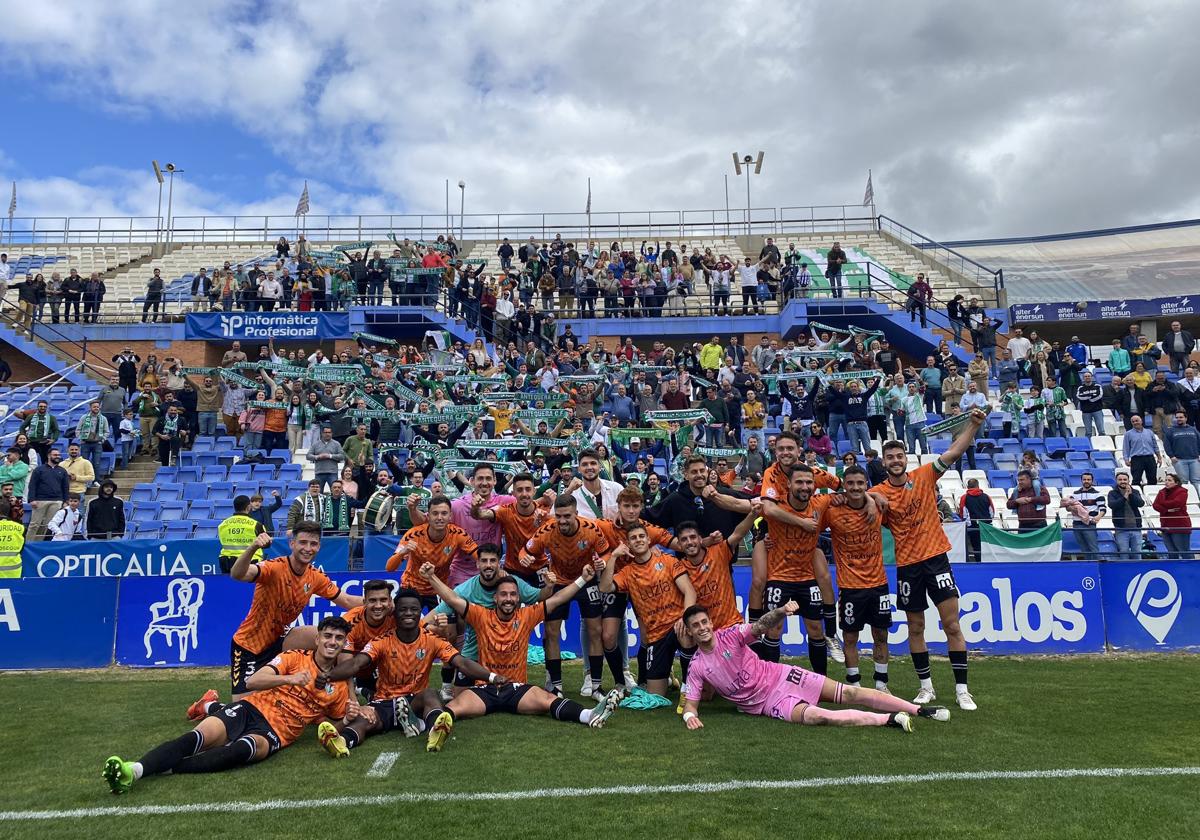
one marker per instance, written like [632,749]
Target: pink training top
[734,670]
[462,567]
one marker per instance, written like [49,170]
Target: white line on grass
[617,790]
[383,765]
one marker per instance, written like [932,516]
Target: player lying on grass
[402,662]
[284,699]
[725,664]
[502,634]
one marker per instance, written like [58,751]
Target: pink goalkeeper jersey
[462,567]
[734,670]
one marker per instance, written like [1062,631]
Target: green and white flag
[354,246]
[374,339]
[998,545]
[336,373]
[850,375]
[493,443]
[720,452]
[948,424]
[245,381]
[681,416]
[551,415]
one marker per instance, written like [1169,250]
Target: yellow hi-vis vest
[236,534]
[12,540]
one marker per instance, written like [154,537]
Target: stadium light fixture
[171,170]
[462,204]
[744,164]
[158,219]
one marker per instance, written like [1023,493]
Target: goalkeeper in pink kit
[725,664]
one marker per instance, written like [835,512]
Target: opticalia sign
[264,325]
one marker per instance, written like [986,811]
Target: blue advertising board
[259,326]
[143,558]
[1152,606]
[57,623]
[1094,310]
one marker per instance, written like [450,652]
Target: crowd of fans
[555,393]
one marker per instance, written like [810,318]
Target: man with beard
[402,700]
[923,570]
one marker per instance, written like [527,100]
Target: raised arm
[565,594]
[964,439]
[245,570]
[457,602]
[774,618]
[743,527]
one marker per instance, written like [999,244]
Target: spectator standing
[93,429]
[67,522]
[834,260]
[1178,346]
[327,457]
[80,473]
[48,489]
[1029,502]
[15,472]
[1162,401]
[127,369]
[1140,448]
[170,430]
[154,296]
[920,295]
[1125,504]
[41,428]
[975,507]
[1019,346]
[1119,361]
[106,514]
[1091,404]
[1087,507]
[1175,523]
[1181,442]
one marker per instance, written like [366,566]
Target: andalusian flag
[998,545]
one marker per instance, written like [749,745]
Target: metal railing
[636,224]
[976,272]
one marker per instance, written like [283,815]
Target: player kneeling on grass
[284,699]
[502,634]
[402,662]
[724,663]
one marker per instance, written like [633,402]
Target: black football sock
[829,618]
[881,672]
[818,655]
[432,715]
[568,710]
[167,756]
[771,646]
[447,675]
[351,736]
[852,676]
[616,665]
[958,664]
[241,751]
[596,670]
[920,662]
[554,670]
[641,663]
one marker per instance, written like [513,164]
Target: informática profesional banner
[259,326]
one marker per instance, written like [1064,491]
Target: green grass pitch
[1035,715]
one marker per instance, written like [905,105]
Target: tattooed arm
[774,618]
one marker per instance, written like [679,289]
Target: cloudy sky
[978,119]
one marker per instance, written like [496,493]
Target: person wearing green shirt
[1119,360]
[1056,416]
[359,449]
[14,471]
[711,356]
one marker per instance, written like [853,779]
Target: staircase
[54,357]
[141,470]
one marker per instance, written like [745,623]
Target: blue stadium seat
[203,460]
[267,486]
[1005,461]
[263,472]
[223,508]
[178,530]
[291,472]
[1081,444]
[143,493]
[200,510]
[204,443]
[169,492]
[211,474]
[186,475]
[199,490]
[1002,479]
[1079,459]
[226,442]
[172,511]
[1057,444]
[1106,460]
[298,488]
[245,488]
[205,531]
[283,454]
[146,512]
[148,530]
[240,472]
[220,489]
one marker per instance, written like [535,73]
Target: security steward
[237,533]
[12,541]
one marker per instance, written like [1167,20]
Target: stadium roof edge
[1080,234]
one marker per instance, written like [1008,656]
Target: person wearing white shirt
[1020,346]
[748,280]
[269,293]
[67,524]
[973,399]
[6,274]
